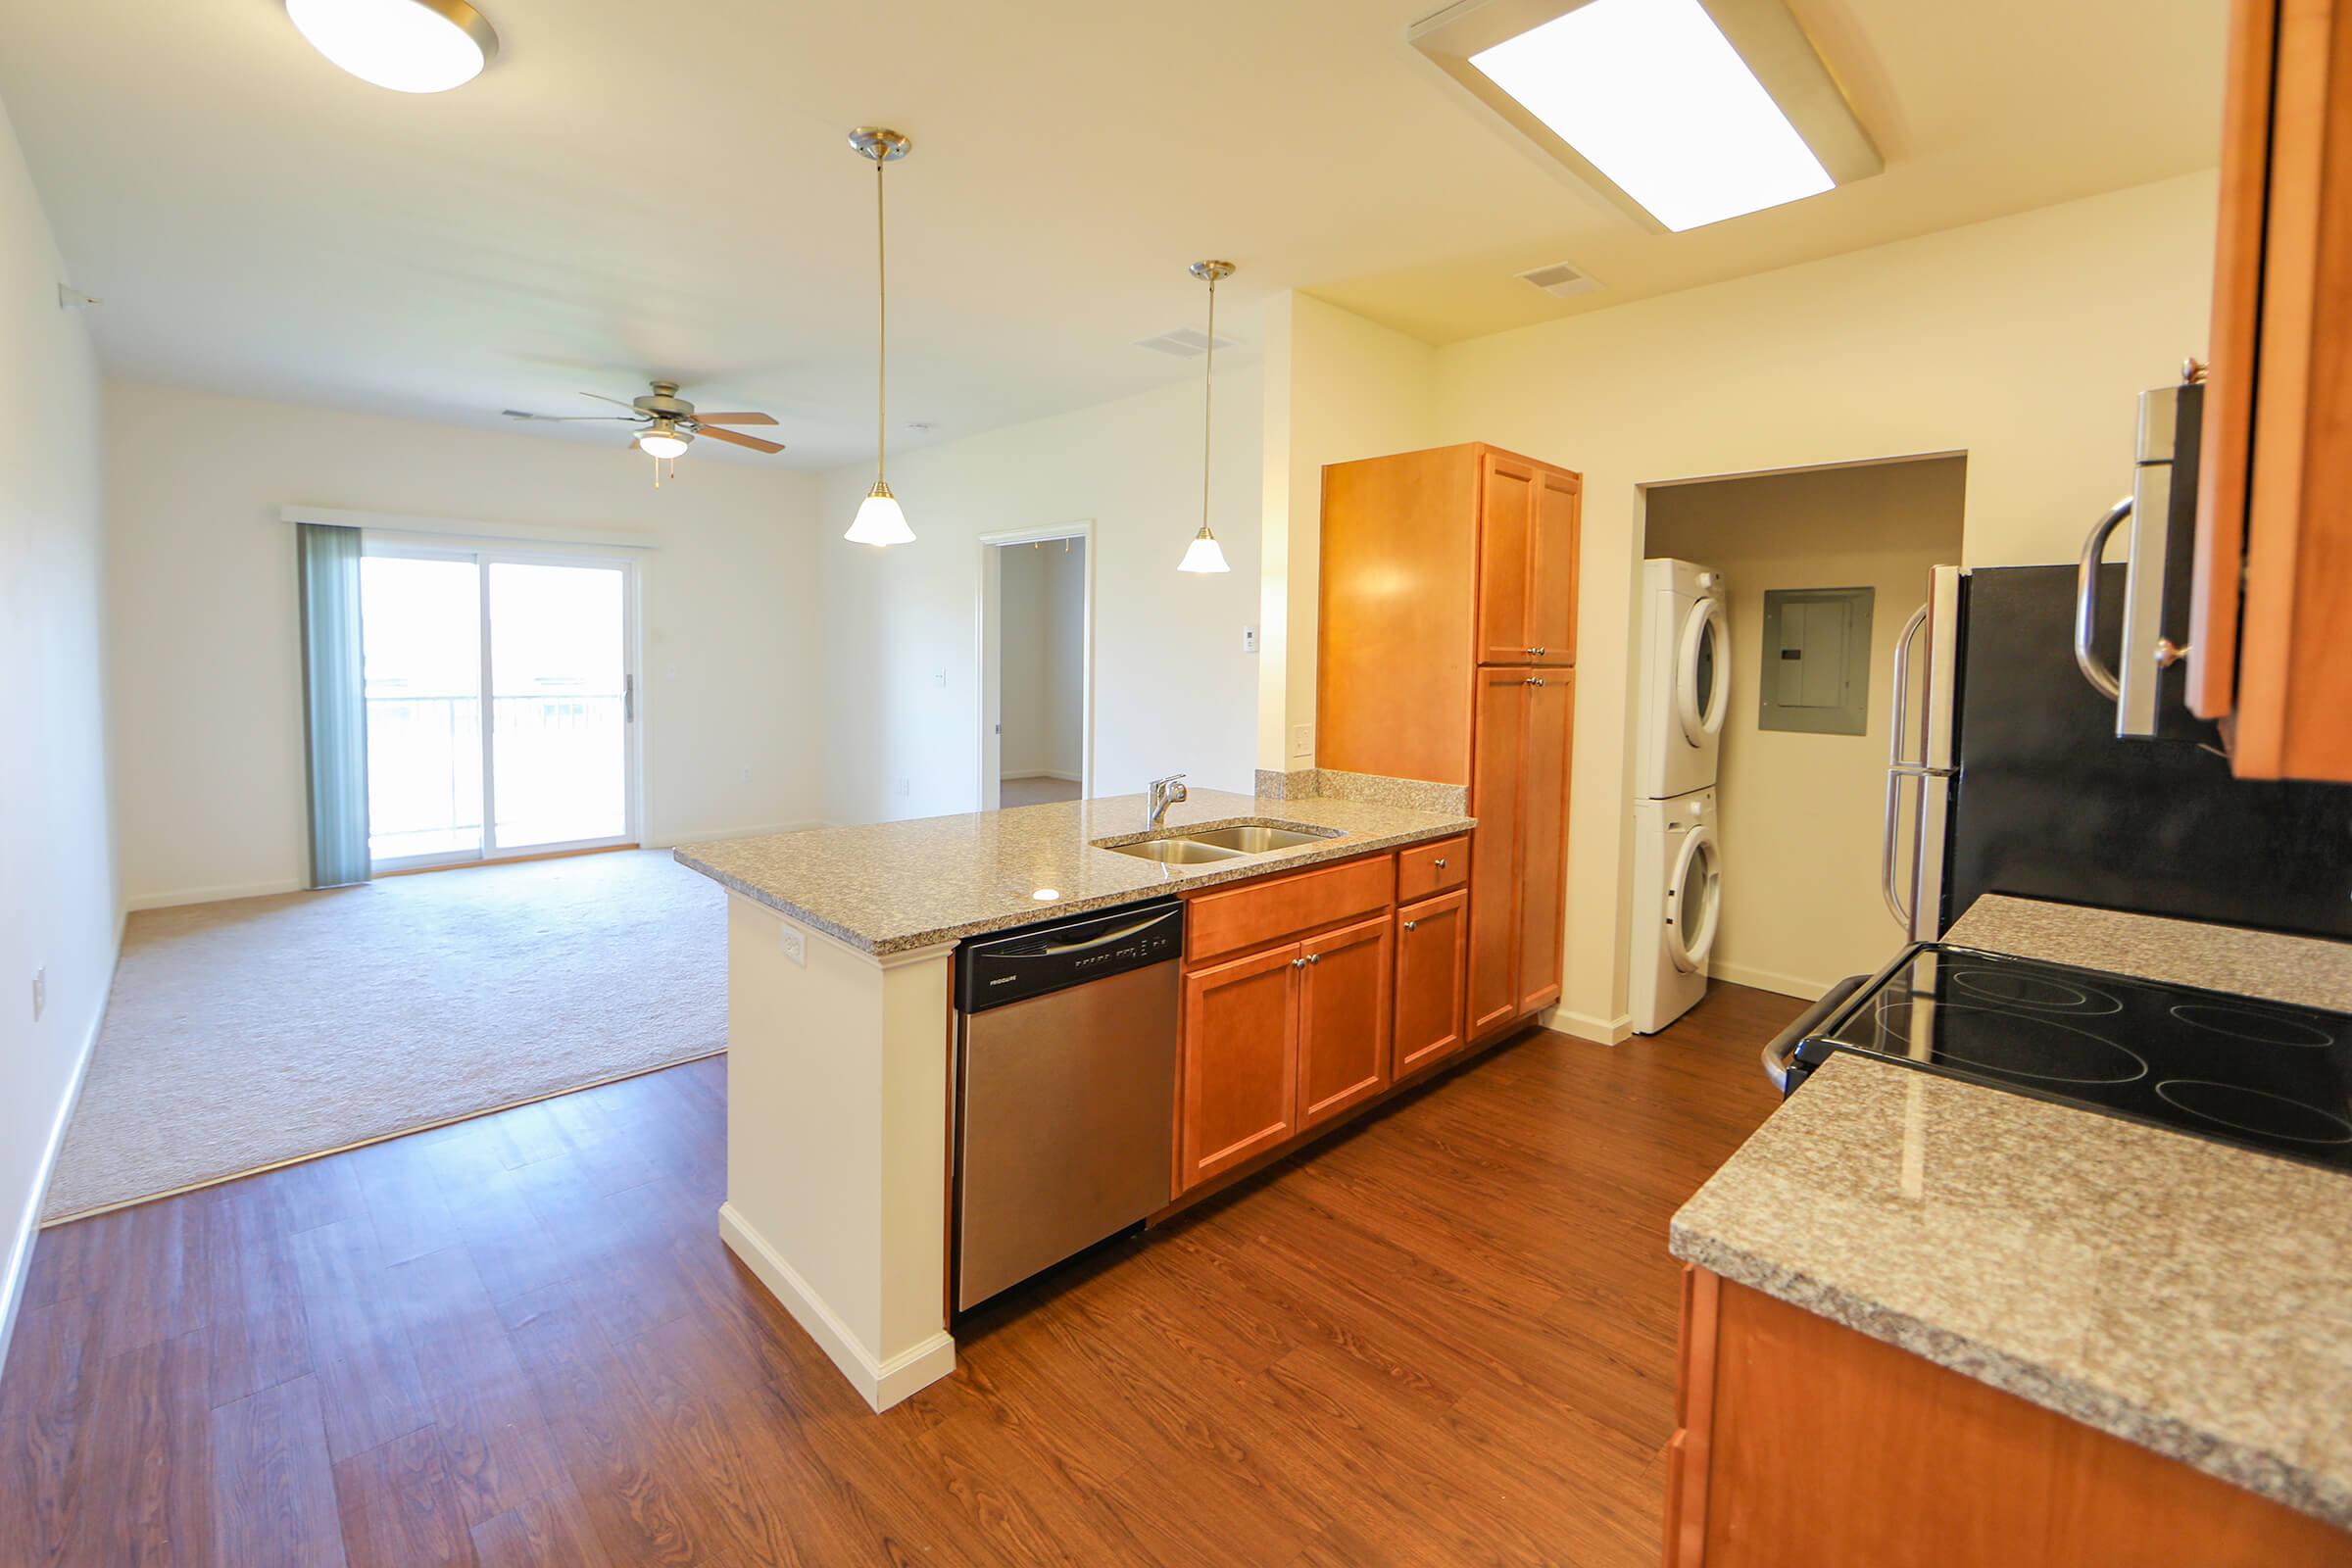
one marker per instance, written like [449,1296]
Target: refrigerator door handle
[1898,766]
[2087,603]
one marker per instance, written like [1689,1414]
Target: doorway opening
[1816,570]
[1037,665]
[501,696]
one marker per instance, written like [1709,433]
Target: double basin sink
[1200,845]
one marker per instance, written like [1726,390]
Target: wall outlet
[796,945]
[902,788]
[40,993]
[1248,639]
[1303,740]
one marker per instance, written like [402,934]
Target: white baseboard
[1787,985]
[1589,1026]
[234,889]
[28,1225]
[882,1383]
[1042,772]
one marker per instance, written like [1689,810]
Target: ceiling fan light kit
[880,521]
[667,424]
[1205,554]
[416,46]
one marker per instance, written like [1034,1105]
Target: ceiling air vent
[1561,280]
[1185,343]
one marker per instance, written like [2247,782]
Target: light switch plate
[796,945]
[40,993]
[1303,740]
[1248,639]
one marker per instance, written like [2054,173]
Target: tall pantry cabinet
[1447,653]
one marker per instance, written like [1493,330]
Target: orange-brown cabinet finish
[1342,1019]
[2271,606]
[1240,1061]
[1543,858]
[1494,799]
[1506,548]
[1433,943]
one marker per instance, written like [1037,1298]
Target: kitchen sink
[1205,844]
[1173,851]
[1255,838]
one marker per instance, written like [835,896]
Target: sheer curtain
[334,702]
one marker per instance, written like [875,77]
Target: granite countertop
[889,887]
[2190,1297]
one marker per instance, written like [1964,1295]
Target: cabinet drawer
[1236,919]
[1426,869]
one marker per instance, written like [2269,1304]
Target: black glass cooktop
[2261,1074]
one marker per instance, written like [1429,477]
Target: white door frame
[991,659]
[485,553]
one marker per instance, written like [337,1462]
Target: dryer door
[1702,665]
[1693,900]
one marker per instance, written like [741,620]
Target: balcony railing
[560,770]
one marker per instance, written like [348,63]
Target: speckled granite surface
[2304,970]
[2188,1296]
[1373,789]
[892,886]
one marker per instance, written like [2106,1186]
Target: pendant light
[1205,554]
[880,520]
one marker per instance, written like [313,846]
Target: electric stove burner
[2254,1024]
[2255,1111]
[2015,1044]
[2013,988]
[2268,1075]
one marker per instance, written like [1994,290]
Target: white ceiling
[634,190]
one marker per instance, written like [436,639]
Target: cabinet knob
[1441,863]
[1535,680]
[1412,925]
[1297,963]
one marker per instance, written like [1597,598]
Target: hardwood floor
[1446,1335]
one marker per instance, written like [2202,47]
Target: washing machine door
[1702,681]
[1693,900]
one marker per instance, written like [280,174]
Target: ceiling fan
[666,422]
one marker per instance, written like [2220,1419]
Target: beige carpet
[245,1033]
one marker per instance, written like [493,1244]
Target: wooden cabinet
[1449,632]
[1518,877]
[1240,1061]
[1343,1020]
[1946,1472]
[1433,940]
[2271,617]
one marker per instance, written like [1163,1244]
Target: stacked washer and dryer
[1685,653]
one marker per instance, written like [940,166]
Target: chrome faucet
[1164,793]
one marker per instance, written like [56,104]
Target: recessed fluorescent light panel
[1665,106]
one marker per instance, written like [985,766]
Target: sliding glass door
[548,761]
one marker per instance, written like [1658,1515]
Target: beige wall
[1339,387]
[206,686]
[1043,652]
[2021,342]
[1800,814]
[58,908]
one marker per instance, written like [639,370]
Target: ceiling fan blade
[616,402]
[700,418]
[751,441]
[562,418]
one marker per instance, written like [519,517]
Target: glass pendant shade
[657,445]
[880,521]
[1203,554]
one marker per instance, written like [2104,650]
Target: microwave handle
[2087,603]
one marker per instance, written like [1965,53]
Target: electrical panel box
[1816,661]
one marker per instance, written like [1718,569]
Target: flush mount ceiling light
[1682,112]
[405,45]
[880,520]
[1205,554]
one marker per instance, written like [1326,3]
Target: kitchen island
[840,946]
[2190,1298]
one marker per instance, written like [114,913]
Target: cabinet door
[1433,940]
[1507,493]
[1343,1020]
[1240,1060]
[1558,508]
[1498,776]
[1543,836]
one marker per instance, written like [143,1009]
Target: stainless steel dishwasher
[1066,1088]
